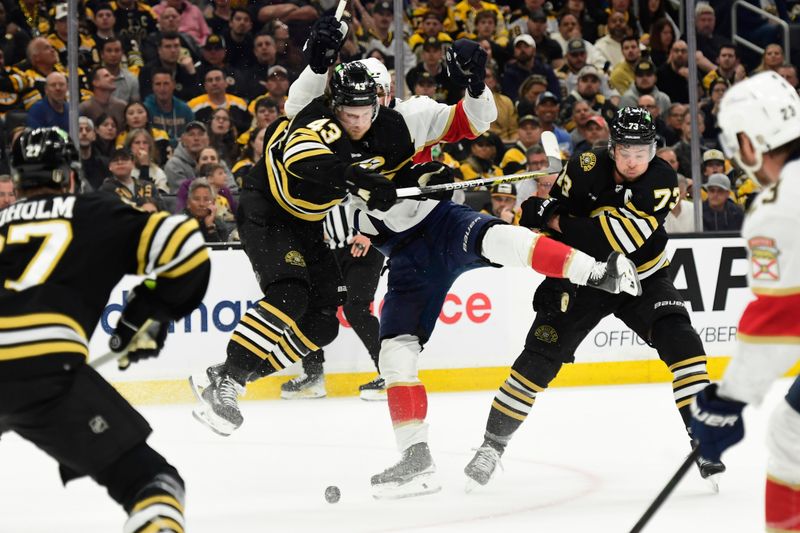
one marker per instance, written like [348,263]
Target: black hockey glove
[136,332]
[537,212]
[324,42]
[426,174]
[716,423]
[466,65]
[373,187]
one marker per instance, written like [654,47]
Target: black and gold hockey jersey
[606,216]
[305,158]
[60,257]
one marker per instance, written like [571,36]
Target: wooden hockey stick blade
[666,491]
[122,356]
[340,9]
[550,145]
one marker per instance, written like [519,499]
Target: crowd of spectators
[175,96]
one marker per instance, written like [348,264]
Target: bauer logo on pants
[295,258]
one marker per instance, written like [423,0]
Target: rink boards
[480,331]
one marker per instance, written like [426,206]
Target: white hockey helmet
[766,109]
[380,74]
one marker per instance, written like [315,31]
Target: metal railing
[738,39]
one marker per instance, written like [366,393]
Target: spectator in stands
[708,43]
[250,155]
[104,21]
[135,21]
[710,108]
[524,64]
[217,97]
[433,63]
[644,82]
[570,28]
[202,207]
[529,133]
[266,113]
[648,102]
[789,73]
[136,116]
[503,199]
[587,90]
[430,26]
[652,10]
[681,218]
[169,22]
[142,194]
[588,21]
[287,53]
[182,67]
[529,92]
[94,167]
[674,123]
[683,147]
[58,38]
[728,67]
[127,85]
[547,109]
[536,27]
[580,114]
[239,40]
[424,85]
[167,112]
[140,144]
[277,86]
[668,155]
[772,59]
[265,53]
[14,40]
[485,27]
[218,16]
[30,17]
[42,61]
[575,61]
[713,162]
[623,74]
[505,126]
[192,21]
[53,109]
[379,35]
[610,46]
[222,135]
[662,37]
[8,193]
[214,57]
[102,100]
[673,75]
[294,11]
[181,165]
[106,129]
[595,134]
[540,187]
[481,160]
[210,168]
[720,213]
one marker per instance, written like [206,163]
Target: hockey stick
[340,9]
[667,490]
[550,146]
[122,356]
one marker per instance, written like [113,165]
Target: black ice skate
[220,409]
[616,275]
[414,475]
[375,390]
[304,386]
[482,466]
[710,471]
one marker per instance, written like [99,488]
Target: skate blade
[217,424]
[628,280]
[303,395]
[471,485]
[417,486]
[198,387]
[373,395]
[713,482]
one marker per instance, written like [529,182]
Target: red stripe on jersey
[407,403]
[459,129]
[782,506]
[771,316]
[549,257]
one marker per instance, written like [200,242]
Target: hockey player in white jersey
[760,122]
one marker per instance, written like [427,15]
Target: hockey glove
[373,187]
[323,44]
[466,65]
[137,335]
[716,423]
[537,212]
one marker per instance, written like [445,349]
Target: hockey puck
[332,494]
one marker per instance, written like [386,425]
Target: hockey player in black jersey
[61,256]
[604,200]
[336,143]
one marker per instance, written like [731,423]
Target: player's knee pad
[536,369]
[783,443]
[399,358]
[290,297]
[320,326]
[675,339]
[507,245]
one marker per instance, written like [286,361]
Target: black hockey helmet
[44,157]
[352,85]
[632,125]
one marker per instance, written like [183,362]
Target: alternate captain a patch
[587,160]
[764,258]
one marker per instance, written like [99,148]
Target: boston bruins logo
[295,258]
[546,334]
[587,160]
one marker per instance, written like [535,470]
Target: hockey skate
[482,467]
[414,475]
[616,275]
[711,472]
[218,396]
[375,390]
[304,387]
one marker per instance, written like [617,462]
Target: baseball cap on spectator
[529,118]
[718,180]
[588,70]
[383,7]
[195,124]
[277,69]
[120,154]
[431,42]
[507,190]
[703,7]
[547,95]
[487,137]
[214,42]
[644,68]
[62,11]
[575,46]
[524,38]
[597,119]
[431,15]
[537,15]
[425,78]
[713,155]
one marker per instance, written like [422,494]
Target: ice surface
[586,460]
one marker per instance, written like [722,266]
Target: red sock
[407,403]
[550,257]
[782,506]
